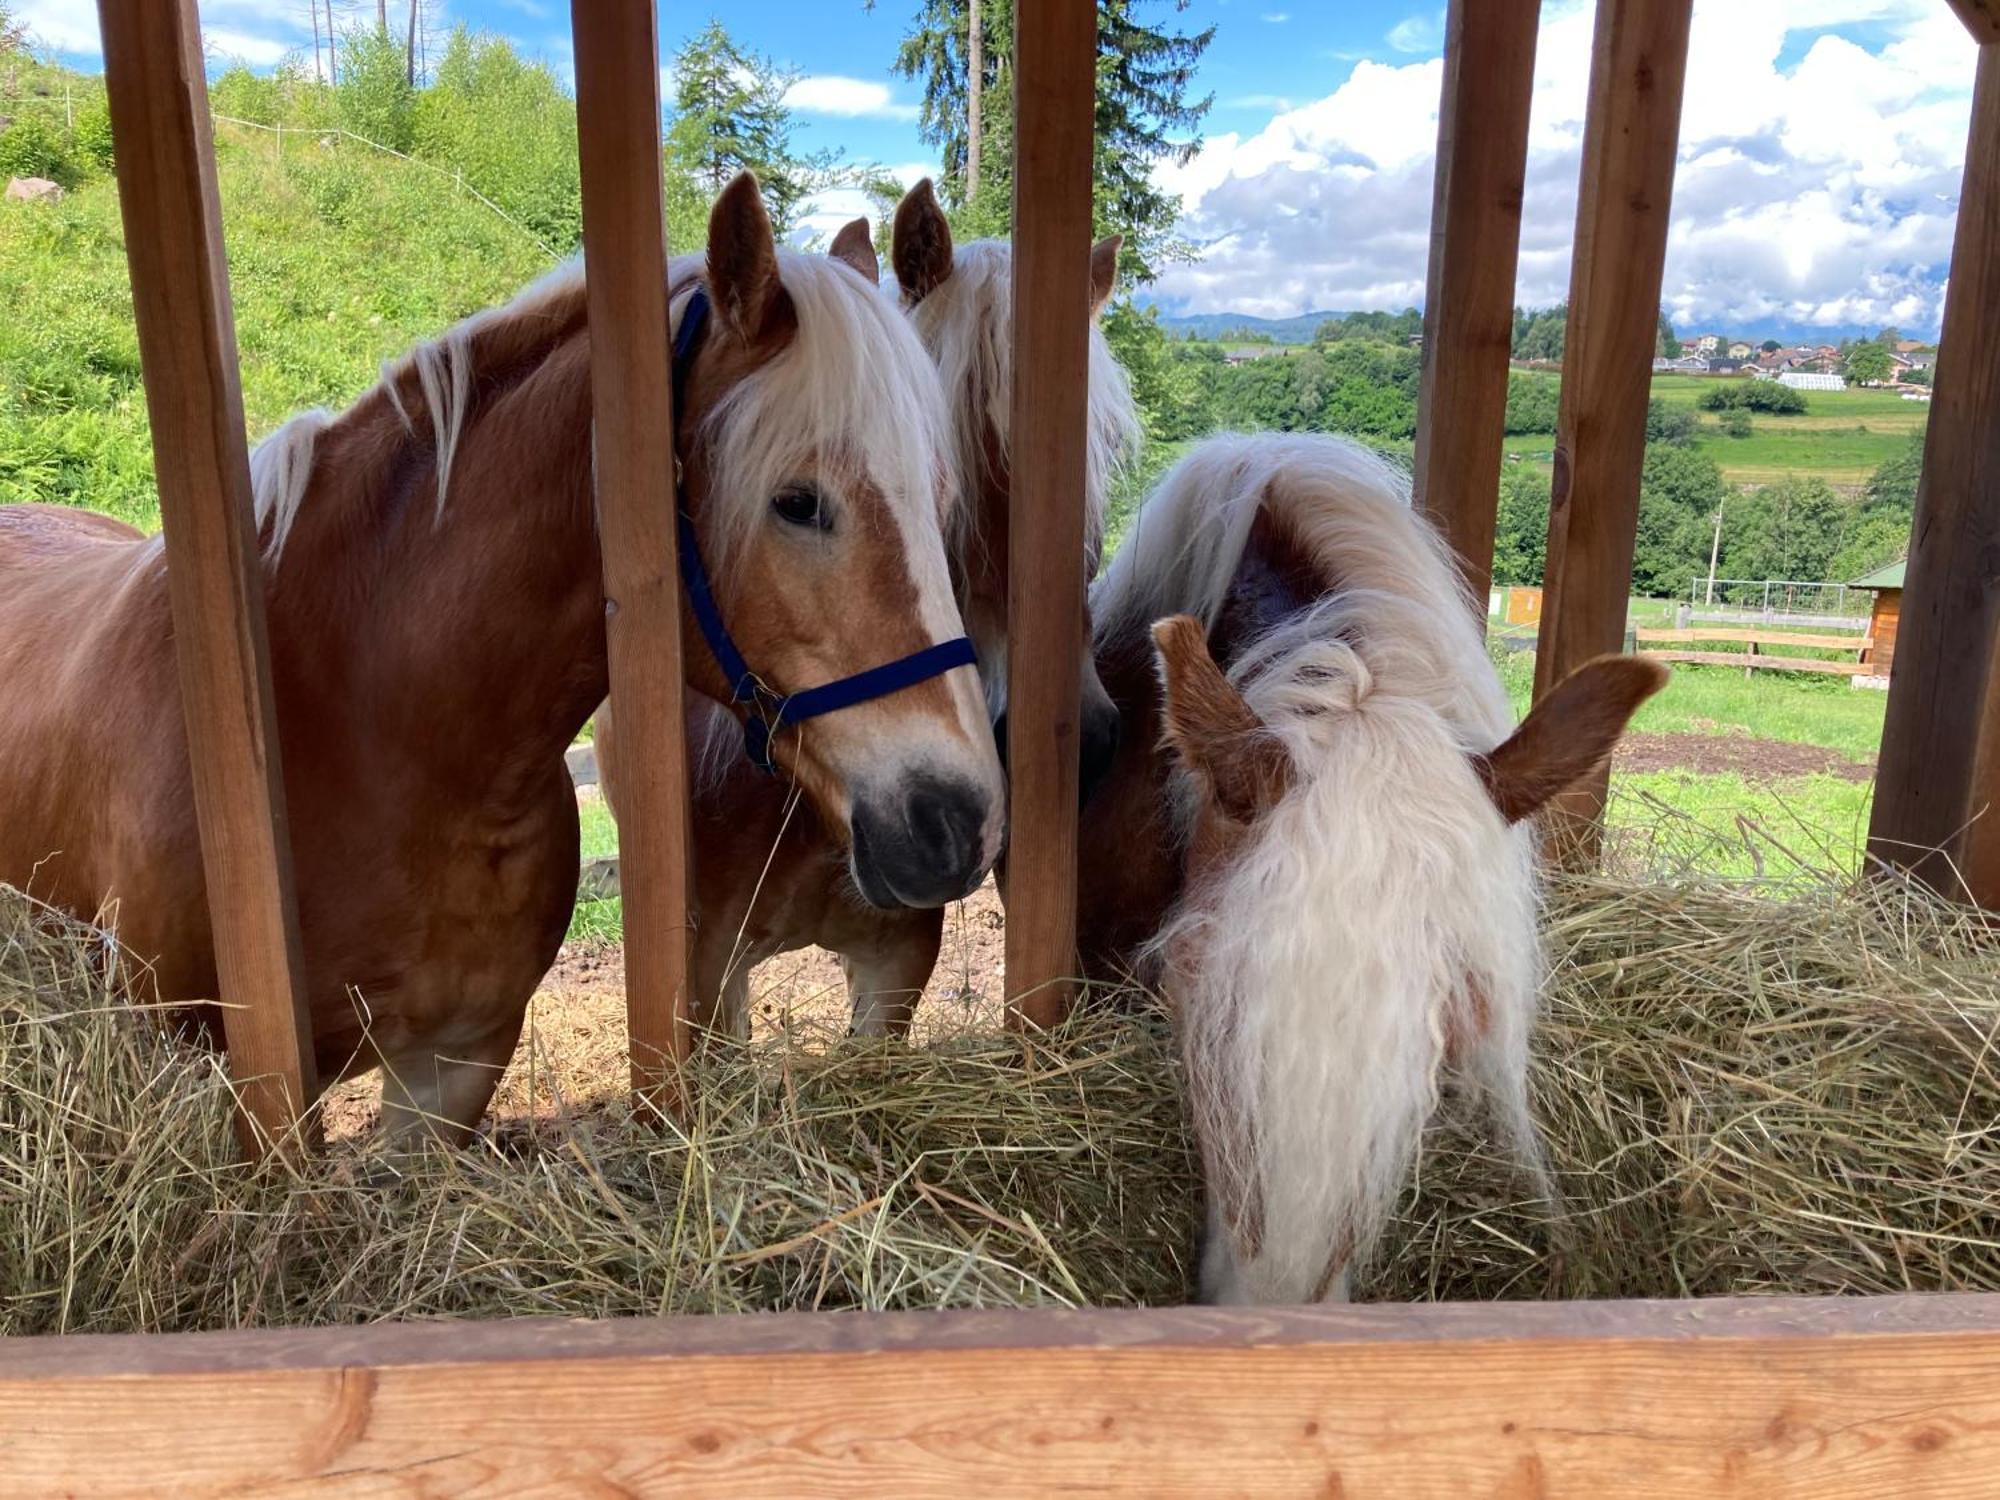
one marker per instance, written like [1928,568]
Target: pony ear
[743,260]
[854,246]
[1568,734]
[1104,271]
[920,243]
[1211,729]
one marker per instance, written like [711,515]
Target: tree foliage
[1145,118]
[1753,395]
[1866,363]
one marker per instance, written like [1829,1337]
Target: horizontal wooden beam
[1767,1397]
[1760,659]
[1762,638]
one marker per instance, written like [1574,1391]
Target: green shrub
[34,148]
[1736,423]
[1754,395]
[91,136]
[376,100]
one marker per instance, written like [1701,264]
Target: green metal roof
[1890,577]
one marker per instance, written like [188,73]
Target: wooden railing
[1755,658]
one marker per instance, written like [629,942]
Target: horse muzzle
[928,841]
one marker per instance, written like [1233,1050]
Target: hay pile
[1741,1093]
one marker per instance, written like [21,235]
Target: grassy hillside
[338,258]
[1843,436]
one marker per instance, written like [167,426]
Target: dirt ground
[1753,760]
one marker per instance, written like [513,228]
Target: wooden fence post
[1630,136]
[1934,775]
[1055,97]
[158,94]
[625,260]
[1482,163]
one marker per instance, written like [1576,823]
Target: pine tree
[1144,116]
[730,116]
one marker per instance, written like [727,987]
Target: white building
[1799,381]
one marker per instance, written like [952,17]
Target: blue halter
[768,710]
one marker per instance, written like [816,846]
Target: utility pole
[1714,551]
[314,6]
[975,83]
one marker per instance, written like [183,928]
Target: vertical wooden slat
[1630,134]
[1482,163]
[187,346]
[625,261]
[1932,775]
[1055,99]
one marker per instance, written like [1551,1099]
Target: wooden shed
[1888,586]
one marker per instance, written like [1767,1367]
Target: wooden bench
[1754,659]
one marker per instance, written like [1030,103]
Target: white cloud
[1277,17]
[1421,33]
[1824,192]
[66,25]
[241,46]
[831,94]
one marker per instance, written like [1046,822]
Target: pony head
[962,304]
[818,476]
[1359,912]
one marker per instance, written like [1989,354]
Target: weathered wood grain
[1482,157]
[1055,72]
[625,262]
[1826,1398]
[1940,768]
[153,71]
[1630,134]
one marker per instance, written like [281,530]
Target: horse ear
[1104,271]
[1211,729]
[856,247]
[743,260]
[1568,734]
[920,243]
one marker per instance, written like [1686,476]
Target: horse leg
[428,1092]
[887,969]
[721,1005]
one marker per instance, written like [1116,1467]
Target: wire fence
[321,133]
[1779,601]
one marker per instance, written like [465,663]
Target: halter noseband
[769,710]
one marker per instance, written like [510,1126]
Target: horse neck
[469,637]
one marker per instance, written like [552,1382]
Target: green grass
[597,921]
[338,259]
[1724,825]
[1804,710]
[1843,436]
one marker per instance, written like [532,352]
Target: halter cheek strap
[769,711]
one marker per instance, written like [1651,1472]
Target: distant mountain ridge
[1220,326]
[1300,330]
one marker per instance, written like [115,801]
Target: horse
[1317,840]
[437,638]
[770,876]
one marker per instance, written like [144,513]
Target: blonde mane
[1383,906]
[855,379]
[967,323]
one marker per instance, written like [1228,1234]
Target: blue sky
[1821,144]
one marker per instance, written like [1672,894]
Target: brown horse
[437,638]
[771,875]
[1329,871]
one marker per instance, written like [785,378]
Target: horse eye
[801,506]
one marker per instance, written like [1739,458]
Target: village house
[1741,350]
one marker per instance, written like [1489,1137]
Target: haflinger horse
[437,638]
[772,877]
[1330,871]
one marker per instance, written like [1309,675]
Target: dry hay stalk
[1740,1092]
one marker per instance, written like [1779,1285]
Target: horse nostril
[923,847]
[1100,750]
